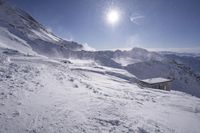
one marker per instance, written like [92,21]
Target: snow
[135,55]
[44,95]
[44,35]
[19,31]
[39,94]
[184,78]
[156,80]
[92,66]
[124,61]
[10,41]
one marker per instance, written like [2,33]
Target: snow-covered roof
[155,80]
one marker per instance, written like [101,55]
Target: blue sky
[164,24]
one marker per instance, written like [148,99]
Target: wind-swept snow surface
[39,95]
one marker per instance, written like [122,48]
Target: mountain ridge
[51,86]
[19,31]
[25,27]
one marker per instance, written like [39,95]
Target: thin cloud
[88,47]
[137,19]
[179,50]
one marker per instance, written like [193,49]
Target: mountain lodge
[157,83]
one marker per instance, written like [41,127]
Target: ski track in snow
[39,95]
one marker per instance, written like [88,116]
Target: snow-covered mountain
[19,31]
[135,55]
[180,54]
[50,85]
[184,79]
[183,70]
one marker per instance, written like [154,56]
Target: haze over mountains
[74,90]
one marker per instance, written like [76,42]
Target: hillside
[20,31]
[42,95]
[50,85]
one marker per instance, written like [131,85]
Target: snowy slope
[40,95]
[183,78]
[192,62]
[14,42]
[91,91]
[183,70]
[18,26]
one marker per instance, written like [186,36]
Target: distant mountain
[183,70]
[20,33]
[180,54]
[135,55]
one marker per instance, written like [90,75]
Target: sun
[113,16]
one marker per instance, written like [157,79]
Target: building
[157,83]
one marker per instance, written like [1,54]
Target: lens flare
[113,16]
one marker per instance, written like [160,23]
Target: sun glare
[113,17]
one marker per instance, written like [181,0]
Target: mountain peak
[19,28]
[138,49]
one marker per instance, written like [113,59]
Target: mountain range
[89,91]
